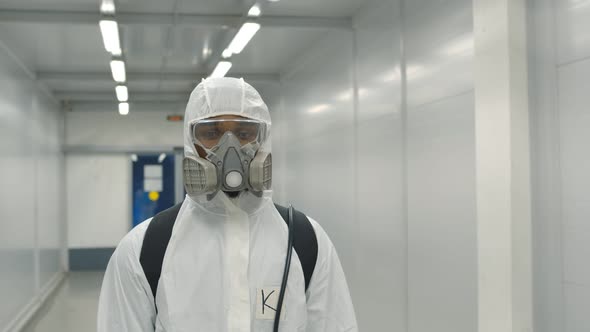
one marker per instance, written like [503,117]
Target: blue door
[153,185]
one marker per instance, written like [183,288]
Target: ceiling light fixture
[226,53]
[110,36]
[221,69]
[118,70]
[123,108]
[122,93]
[107,7]
[255,11]
[247,31]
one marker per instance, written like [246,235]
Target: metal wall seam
[404,153]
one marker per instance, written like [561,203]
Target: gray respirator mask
[234,161]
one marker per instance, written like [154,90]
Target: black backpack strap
[155,242]
[305,241]
[157,236]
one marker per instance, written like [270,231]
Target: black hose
[286,272]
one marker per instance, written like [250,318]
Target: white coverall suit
[223,254]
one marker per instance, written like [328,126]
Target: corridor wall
[32,222]
[378,146]
[559,65]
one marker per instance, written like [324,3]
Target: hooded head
[224,96]
[215,98]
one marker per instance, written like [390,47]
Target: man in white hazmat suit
[224,263]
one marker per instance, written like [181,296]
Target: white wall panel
[30,187]
[318,141]
[354,154]
[560,90]
[17,190]
[48,131]
[137,129]
[549,307]
[381,294]
[99,199]
[576,250]
[573,87]
[573,24]
[439,49]
[577,302]
[573,101]
[442,262]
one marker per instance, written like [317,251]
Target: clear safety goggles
[209,132]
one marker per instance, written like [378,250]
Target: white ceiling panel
[177,48]
[148,6]
[143,46]
[142,86]
[211,6]
[70,5]
[80,85]
[272,48]
[172,86]
[70,56]
[145,6]
[58,47]
[191,47]
[326,8]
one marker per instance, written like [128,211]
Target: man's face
[212,133]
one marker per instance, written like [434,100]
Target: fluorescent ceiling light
[110,36]
[247,31]
[254,11]
[123,108]
[226,53]
[221,69]
[118,70]
[107,6]
[122,93]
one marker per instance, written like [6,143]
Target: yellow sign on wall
[154,195]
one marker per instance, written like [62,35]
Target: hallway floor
[72,307]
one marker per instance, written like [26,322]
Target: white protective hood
[225,256]
[224,96]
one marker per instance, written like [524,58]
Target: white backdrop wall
[99,199]
[98,166]
[440,161]
[32,223]
[107,129]
[560,63]
[379,193]
[378,141]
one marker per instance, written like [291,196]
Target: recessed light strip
[110,36]
[122,93]
[109,29]
[221,69]
[243,37]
